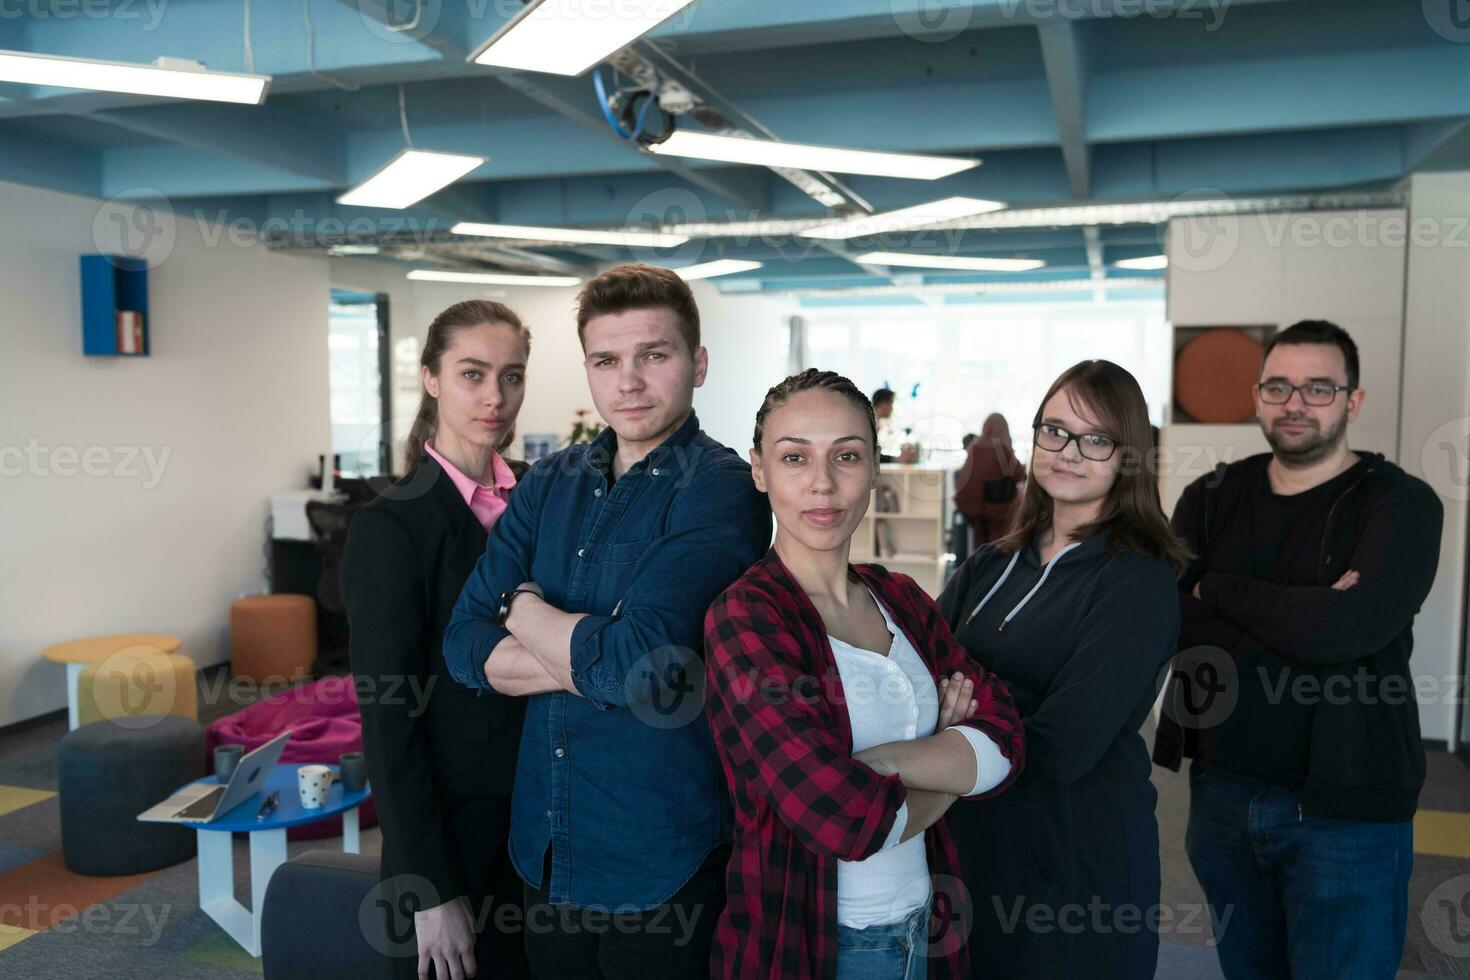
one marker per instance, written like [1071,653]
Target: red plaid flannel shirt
[780,720]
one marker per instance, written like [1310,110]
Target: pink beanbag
[324,723]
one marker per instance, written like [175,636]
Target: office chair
[329,523]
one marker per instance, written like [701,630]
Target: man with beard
[1292,690]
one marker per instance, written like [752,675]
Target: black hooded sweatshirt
[1283,679]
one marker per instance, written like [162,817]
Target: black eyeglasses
[1314,393]
[1094,446]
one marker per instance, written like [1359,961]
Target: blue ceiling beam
[856,278]
[458,34]
[458,202]
[637,201]
[1062,265]
[574,141]
[184,171]
[545,92]
[1236,165]
[811,267]
[816,271]
[529,147]
[932,118]
[297,152]
[355,45]
[1039,241]
[640,199]
[1116,253]
[515,148]
[1253,164]
[453,30]
[347,51]
[1017,177]
[1360,89]
[51,163]
[311,220]
[725,27]
[456,37]
[1065,54]
[821,302]
[212,31]
[1437,146]
[287,140]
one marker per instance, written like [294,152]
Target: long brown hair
[1131,513]
[460,316]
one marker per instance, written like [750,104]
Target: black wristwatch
[506,598]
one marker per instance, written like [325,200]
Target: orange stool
[273,637]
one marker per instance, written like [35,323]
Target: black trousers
[670,942]
[495,910]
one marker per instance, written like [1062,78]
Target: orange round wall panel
[1214,375]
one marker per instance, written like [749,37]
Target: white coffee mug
[313,782]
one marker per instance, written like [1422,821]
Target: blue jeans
[892,951]
[1295,896]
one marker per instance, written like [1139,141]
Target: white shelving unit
[911,539]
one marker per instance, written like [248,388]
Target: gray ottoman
[112,772]
[327,918]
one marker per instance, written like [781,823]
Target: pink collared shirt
[486,503]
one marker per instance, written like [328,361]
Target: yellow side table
[79,654]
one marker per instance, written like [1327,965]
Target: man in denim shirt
[590,599]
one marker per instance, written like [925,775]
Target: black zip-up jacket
[1348,649]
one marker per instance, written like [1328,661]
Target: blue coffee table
[267,848]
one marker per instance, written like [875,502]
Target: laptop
[202,802]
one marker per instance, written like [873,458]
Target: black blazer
[441,766]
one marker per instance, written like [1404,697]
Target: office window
[950,367]
[356,341]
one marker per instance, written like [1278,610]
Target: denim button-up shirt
[622,783]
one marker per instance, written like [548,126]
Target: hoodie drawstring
[1027,597]
[998,583]
[1039,583]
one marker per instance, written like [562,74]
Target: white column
[1434,435]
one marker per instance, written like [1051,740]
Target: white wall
[1277,268]
[1435,437]
[235,395]
[746,338]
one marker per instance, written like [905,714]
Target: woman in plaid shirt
[847,719]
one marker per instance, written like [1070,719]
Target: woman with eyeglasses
[1076,609]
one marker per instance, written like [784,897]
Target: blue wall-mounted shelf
[111,283]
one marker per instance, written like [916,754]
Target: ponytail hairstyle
[460,316]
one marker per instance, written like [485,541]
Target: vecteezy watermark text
[119,462]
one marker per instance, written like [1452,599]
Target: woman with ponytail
[441,760]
